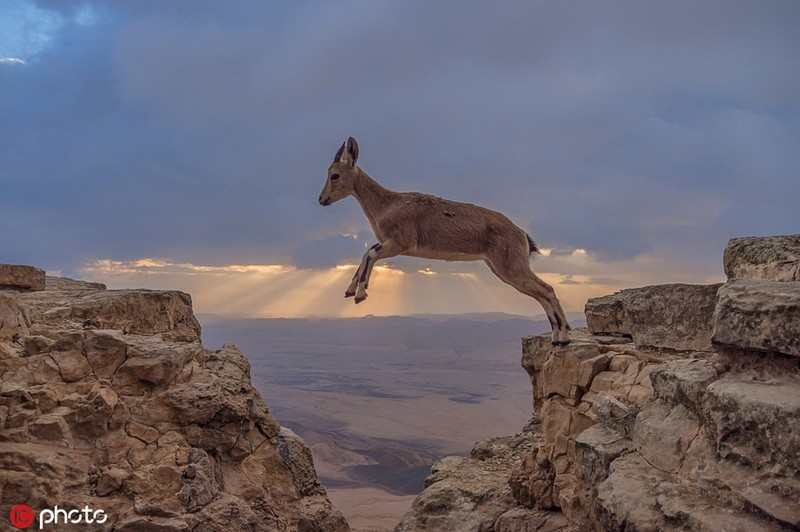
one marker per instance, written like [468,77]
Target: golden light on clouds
[280,290]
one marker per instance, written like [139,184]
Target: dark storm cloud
[201,131]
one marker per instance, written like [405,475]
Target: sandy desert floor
[370,509]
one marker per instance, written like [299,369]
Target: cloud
[271,290]
[28,29]
[329,252]
[397,286]
[637,132]
[25,29]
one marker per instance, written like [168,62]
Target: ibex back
[421,225]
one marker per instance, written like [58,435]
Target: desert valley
[379,399]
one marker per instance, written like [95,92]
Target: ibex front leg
[351,289]
[375,253]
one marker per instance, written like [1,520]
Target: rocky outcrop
[670,316]
[22,278]
[759,315]
[677,409]
[774,258]
[474,493]
[109,399]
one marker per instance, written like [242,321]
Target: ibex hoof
[349,294]
[360,299]
[560,344]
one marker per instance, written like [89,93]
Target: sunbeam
[280,290]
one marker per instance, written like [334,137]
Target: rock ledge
[109,399]
[677,409]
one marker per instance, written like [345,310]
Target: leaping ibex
[421,225]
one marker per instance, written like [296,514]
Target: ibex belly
[427,253]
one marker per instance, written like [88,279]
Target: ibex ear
[338,157]
[350,155]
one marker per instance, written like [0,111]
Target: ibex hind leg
[524,280]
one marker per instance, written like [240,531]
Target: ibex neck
[373,197]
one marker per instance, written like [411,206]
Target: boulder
[759,315]
[684,381]
[662,434]
[298,457]
[637,496]
[468,499]
[671,316]
[471,494]
[130,311]
[595,449]
[150,362]
[105,350]
[774,258]
[199,487]
[627,499]
[14,317]
[22,278]
[755,421]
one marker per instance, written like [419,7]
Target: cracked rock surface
[677,409]
[109,399]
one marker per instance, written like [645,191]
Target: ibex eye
[334,177]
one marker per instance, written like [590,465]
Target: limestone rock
[712,443]
[198,479]
[14,316]
[596,448]
[756,421]
[671,316]
[525,520]
[35,345]
[65,283]
[468,501]
[152,363]
[532,483]
[627,499]
[108,398]
[662,435]
[637,496]
[775,258]
[297,456]
[760,315]
[22,278]
[644,423]
[130,311]
[684,381]
[105,350]
[468,494]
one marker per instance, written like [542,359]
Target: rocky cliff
[677,409]
[108,400]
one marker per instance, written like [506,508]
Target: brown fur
[421,225]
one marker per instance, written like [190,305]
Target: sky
[184,144]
